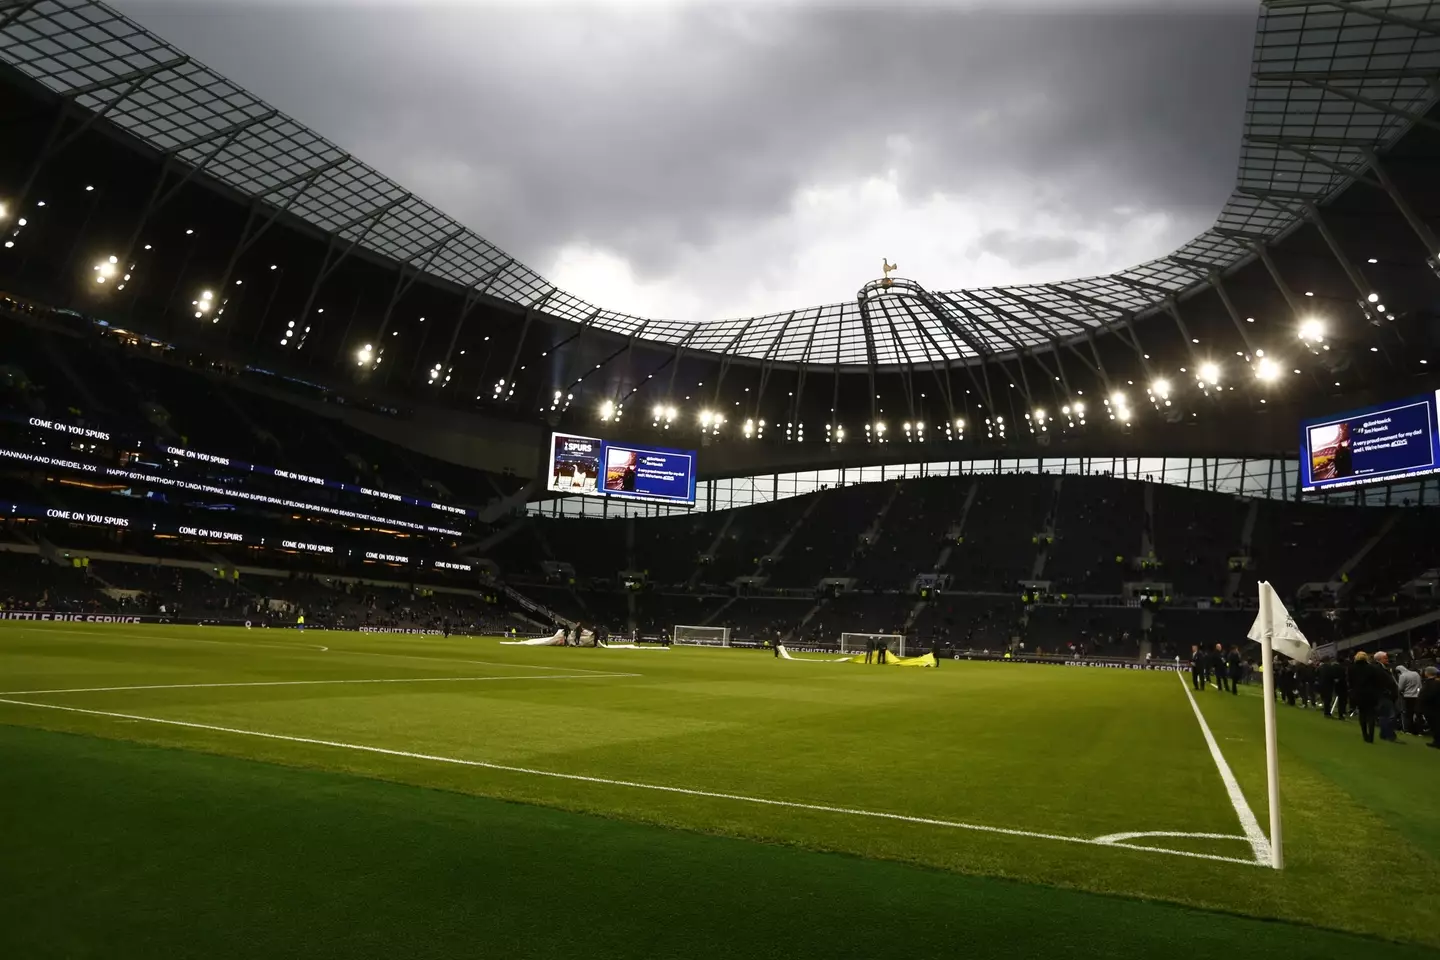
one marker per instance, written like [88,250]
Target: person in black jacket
[1430,704]
[1218,667]
[1325,680]
[1365,687]
[1197,667]
[1387,705]
[1236,667]
[1305,679]
[1342,692]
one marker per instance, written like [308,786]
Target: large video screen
[1392,441]
[595,467]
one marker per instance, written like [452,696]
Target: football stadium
[363,593]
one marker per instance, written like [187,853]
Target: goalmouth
[860,642]
[701,636]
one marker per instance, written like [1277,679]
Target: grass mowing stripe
[304,647]
[685,791]
[317,683]
[185,854]
[171,639]
[1258,841]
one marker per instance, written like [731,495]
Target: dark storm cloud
[656,132]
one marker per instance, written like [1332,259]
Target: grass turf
[1077,753]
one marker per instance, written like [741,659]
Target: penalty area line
[316,683]
[1109,841]
[1258,841]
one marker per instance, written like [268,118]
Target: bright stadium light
[706,418]
[1312,330]
[607,410]
[1373,298]
[366,353]
[106,269]
[1266,370]
[1161,388]
[1210,373]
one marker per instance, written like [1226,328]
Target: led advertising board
[594,467]
[1388,442]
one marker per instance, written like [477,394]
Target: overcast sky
[696,161]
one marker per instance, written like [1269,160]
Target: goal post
[860,642]
[701,636]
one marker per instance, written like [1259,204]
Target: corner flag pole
[1272,752]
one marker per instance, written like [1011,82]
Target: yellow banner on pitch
[924,660]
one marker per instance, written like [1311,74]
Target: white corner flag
[1274,629]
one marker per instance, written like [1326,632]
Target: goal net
[860,642]
[701,636]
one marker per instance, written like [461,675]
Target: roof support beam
[767,365]
[981,353]
[1224,295]
[1338,143]
[1035,307]
[1417,118]
[524,332]
[1125,330]
[1024,382]
[942,382]
[12,10]
[671,359]
[1421,228]
[54,143]
[225,137]
[224,133]
[1263,253]
[679,355]
[308,177]
[468,303]
[327,266]
[1344,171]
[727,358]
[1357,278]
[1377,73]
[134,78]
[1383,16]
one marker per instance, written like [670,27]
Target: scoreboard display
[1380,444]
[594,467]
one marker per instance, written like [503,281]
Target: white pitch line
[1258,841]
[659,788]
[316,683]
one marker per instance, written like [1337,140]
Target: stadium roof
[1331,82]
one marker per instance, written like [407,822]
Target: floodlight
[1266,370]
[1210,373]
[1312,329]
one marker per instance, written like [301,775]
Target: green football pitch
[171,791]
